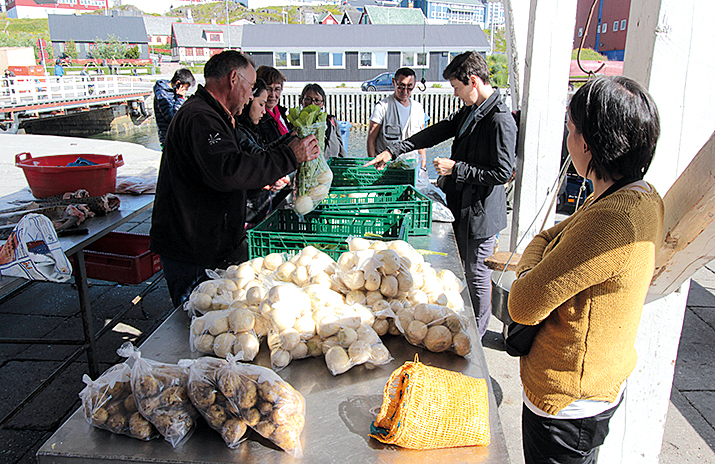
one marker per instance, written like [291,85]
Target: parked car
[381,82]
[569,193]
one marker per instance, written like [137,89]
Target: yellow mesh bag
[427,407]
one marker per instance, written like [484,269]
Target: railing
[44,89]
[356,107]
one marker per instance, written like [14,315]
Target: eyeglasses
[405,87]
[244,78]
[274,89]
[312,101]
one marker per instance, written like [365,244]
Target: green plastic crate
[349,172]
[284,232]
[387,199]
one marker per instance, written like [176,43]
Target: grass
[588,54]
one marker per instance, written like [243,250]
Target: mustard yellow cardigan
[588,278]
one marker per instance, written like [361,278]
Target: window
[580,32]
[330,60]
[623,25]
[287,59]
[373,60]
[189,51]
[604,28]
[415,60]
[615,26]
[214,37]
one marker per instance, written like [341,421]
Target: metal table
[339,410]
[98,227]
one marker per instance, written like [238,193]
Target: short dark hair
[406,72]
[244,117]
[312,88]
[270,74]
[465,65]
[258,87]
[221,64]
[182,76]
[619,122]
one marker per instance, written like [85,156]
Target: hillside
[23,32]
[205,13]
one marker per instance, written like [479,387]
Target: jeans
[181,278]
[479,279]
[563,441]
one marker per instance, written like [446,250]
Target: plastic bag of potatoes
[108,403]
[160,395]
[351,347]
[230,331]
[204,393]
[267,404]
[434,327]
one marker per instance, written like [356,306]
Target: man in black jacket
[483,154]
[200,205]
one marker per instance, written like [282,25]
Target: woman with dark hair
[274,124]
[259,201]
[313,94]
[585,280]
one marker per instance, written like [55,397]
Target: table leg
[86,312]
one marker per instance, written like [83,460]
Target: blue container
[345,133]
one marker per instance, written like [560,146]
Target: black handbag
[519,338]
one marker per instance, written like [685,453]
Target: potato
[404,281]
[246,346]
[373,279]
[284,271]
[290,338]
[380,326]
[272,261]
[450,281]
[337,360]
[390,261]
[378,245]
[416,297]
[280,359]
[300,351]
[372,297]
[359,352]
[392,329]
[204,343]
[305,326]
[321,279]
[405,317]
[438,339]
[366,316]
[379,354]
[367,334]
[438,298]
[358,244]
[424,313]
[198,326]
[389,286]
[416,332]
[223,344]
[396,306]
[208,287]
[256,264]
[227,285]
[347,337]
[355,296]
[241,320]
[283,317]
[300,276]
[355,280]
[461,343]
[315,346]
[255,295]
[261,325]
[245,271]
[219,326]
[201,301]
[380,307]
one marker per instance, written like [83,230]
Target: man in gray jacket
[482,160]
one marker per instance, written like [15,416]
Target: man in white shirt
[397,117]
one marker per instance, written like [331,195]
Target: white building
[35,9]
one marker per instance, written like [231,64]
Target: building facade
[608,29]
[35,9]
[478,12]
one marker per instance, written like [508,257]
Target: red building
[607,31]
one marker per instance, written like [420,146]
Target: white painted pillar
[516,18]
[543,108]
[668,42]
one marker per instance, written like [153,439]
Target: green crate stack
[385,199]
[350,172]
[283,231]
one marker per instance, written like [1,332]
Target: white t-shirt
[413,113]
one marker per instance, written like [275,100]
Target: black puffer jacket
[267,127]
[484,153]
[199,210]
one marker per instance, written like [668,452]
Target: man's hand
[380,160]
[305,149]
[443,166]
[182,89]
[278,185]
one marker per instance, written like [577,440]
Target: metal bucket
[501,285]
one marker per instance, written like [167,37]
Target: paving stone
[15,444]
[704,404]
[693,365]
[706,313]
[23,326]
[700,296]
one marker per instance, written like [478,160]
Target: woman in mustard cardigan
[585,280]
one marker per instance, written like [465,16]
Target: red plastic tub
[121,257]
[50,175]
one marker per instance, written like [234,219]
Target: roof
[89,28]
[311,37]
[159,25]
[394,15]
[351,17]
[192,35]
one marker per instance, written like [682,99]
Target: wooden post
[543,109]
[666,42]
[516,18]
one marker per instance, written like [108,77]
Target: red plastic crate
[49,175]
[121,257]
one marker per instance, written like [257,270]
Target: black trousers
[563,441]
[181,278]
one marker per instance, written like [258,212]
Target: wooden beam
[688,229]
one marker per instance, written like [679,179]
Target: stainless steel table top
[339,410]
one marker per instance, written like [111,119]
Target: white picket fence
[27,90]
[356,107]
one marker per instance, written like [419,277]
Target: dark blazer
[268,128]
[484,152]
[199,209]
